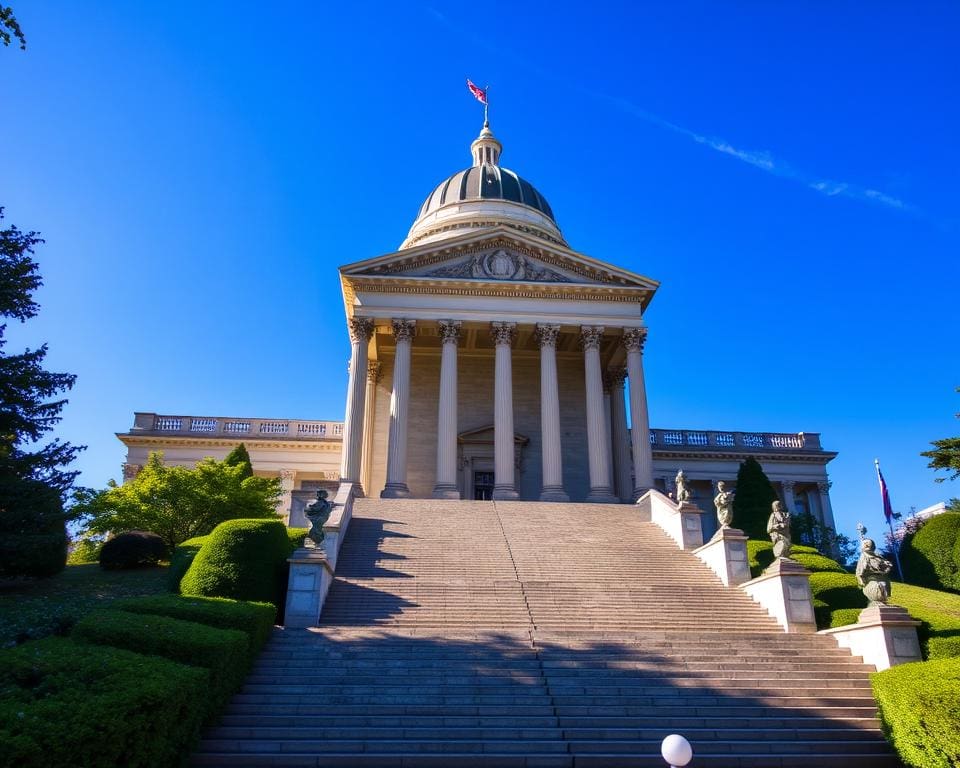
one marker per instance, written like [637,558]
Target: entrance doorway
[482,486]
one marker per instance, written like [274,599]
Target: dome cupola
[486,194]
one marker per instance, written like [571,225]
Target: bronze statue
[873,573]
[778,526]
[723,501]
[317,513]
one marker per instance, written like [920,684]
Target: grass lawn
[35,608]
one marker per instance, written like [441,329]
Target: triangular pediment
[498,255]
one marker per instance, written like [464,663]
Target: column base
[445,491]
[395,491]
[554,493]
[601,496]
[505,493]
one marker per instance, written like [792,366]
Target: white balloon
[676,750]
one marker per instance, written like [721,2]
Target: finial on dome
[485,148]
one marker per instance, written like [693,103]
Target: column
[288,479]
[826,508]
[598,440]
[446,483]
[361,329]
[504,486]
[396,485]
[622,469]
[369,410]
[633,341]
[608,424]
[788,501]
[550,449]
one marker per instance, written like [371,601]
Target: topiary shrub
[931,557]
[920,711]
[254,619]
[833,592]
[132,549]
[753,500]
[760,555]
[33,554]
[296,536]
[181,559]
[815,562]
[241,560]
[71,704]
[943,647]
[225,652]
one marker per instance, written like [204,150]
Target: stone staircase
[524,634]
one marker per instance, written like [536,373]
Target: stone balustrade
[208,426]
[665,439]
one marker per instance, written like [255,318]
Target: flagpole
[486,107]
[895,545]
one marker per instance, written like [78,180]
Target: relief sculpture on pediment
[500,264]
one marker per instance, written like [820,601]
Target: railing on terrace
[209,426]
[771,441]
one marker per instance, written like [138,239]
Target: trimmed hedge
[242,560]
[33,554]
[132,549]
[181,560]
[814,561]
[760,555]
[70,704]
[837,599]
[254,619]
[939,614]
[919,708]
[931,557]
[296,536]
[224,652]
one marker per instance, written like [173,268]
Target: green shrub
[920,711]
[760,555]
[181,559]
[930,556]
[85,552]
[255,619]
[815,562]
[943,647]
[225,652]
[833,592]
[296,536]
[70,704]
[132,549]
[753,500]
[242,560]
[33,554]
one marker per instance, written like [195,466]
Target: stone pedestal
[884,635]
[307,587]
[784,590]
[726,555]
[681,522]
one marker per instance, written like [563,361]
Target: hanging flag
[478,93]
[885,494]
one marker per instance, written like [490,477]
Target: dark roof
[486,182]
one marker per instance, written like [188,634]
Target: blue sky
[788,171]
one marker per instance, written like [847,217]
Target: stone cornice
[820,457]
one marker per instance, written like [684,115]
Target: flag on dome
[479,93]
[885,494]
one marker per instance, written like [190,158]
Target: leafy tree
[753,499]
[945,455]
[33,481]
[239,457]
[10,29]
[809,531]
[178,503]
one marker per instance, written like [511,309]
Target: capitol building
[491,360]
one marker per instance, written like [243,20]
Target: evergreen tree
[240,457]
[33,481]
[753,500]
[945,455]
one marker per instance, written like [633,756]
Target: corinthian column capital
[590,336]
[503,333]
[403,330]
[617,377]
[547,334]
[373,371]
[361,328]
[449,331]
[634,339]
